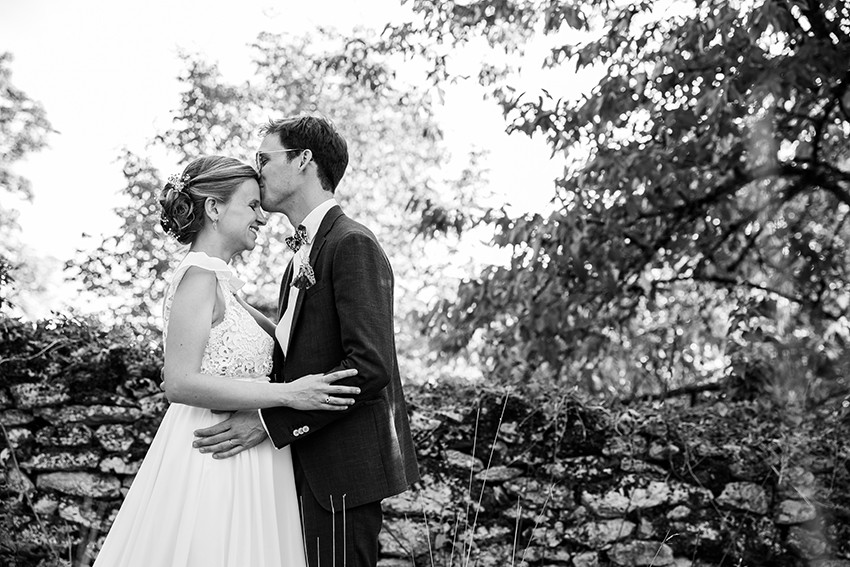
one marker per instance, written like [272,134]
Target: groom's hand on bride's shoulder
[242,430]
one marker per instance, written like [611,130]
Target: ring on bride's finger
[328,400]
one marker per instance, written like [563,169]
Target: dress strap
[226,278]
[221,269]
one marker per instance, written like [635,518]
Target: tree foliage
[23,129]
[709,176]
[395,164]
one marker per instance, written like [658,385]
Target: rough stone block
[680,512]
[702,531]
[429,497]
[638,466]
[81,484]
[66,414]
[13,417]
[795,512]
[744,496]
[114,437]
[498,474]
[18,482]
[586,559]
[661,451]
[654,494]
[462,460]
[597,534]
[118,465]
[624,446]
[62,461]
[39,394]
[624,499]
[613,504]
[91,415]
[796,482]
[561,556]
[641,553]
[538,493]
[808,544]
[578,469]
[83,514]
[70,435]
[394,562]
[19,436]
[154,405]
[46,506]
[402,537]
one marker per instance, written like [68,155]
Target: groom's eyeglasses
[261,159]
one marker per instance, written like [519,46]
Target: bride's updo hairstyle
[183,196]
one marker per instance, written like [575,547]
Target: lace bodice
[238,346]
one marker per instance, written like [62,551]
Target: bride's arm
[267,325]
[189,326]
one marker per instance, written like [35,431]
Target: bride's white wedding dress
[186,509]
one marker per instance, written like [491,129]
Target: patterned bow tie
[298,239]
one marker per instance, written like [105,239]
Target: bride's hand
[317,391]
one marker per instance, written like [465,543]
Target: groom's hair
[320,136]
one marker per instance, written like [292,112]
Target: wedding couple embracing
[281,439]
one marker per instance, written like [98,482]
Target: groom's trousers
[342,538]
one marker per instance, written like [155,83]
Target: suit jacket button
[306,428]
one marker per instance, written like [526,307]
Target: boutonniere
[306,278]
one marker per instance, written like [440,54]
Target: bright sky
[106,73]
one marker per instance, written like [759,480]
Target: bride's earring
[215,224]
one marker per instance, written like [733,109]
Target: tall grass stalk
[516,529]
[469,488]
[428,538]
[537,522]
[486,470]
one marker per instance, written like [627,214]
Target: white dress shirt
[311,223]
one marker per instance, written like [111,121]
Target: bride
[185,508]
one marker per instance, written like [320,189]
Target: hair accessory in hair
[178,182]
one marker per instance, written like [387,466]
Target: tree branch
[735,282]
[676,392]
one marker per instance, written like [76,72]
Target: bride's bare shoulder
[196,282]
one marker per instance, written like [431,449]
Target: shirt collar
[313,220]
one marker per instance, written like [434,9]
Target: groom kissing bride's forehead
[335,313]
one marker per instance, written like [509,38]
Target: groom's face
[278,173]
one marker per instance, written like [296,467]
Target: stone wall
[572,484]
[558,482]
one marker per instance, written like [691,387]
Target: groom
[336,312]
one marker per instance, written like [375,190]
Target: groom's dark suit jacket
[345,321]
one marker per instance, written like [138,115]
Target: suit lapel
[283,299]
[318,242]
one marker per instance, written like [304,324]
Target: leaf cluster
[707,167]
[81,355]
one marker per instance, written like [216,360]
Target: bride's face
[240,219]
